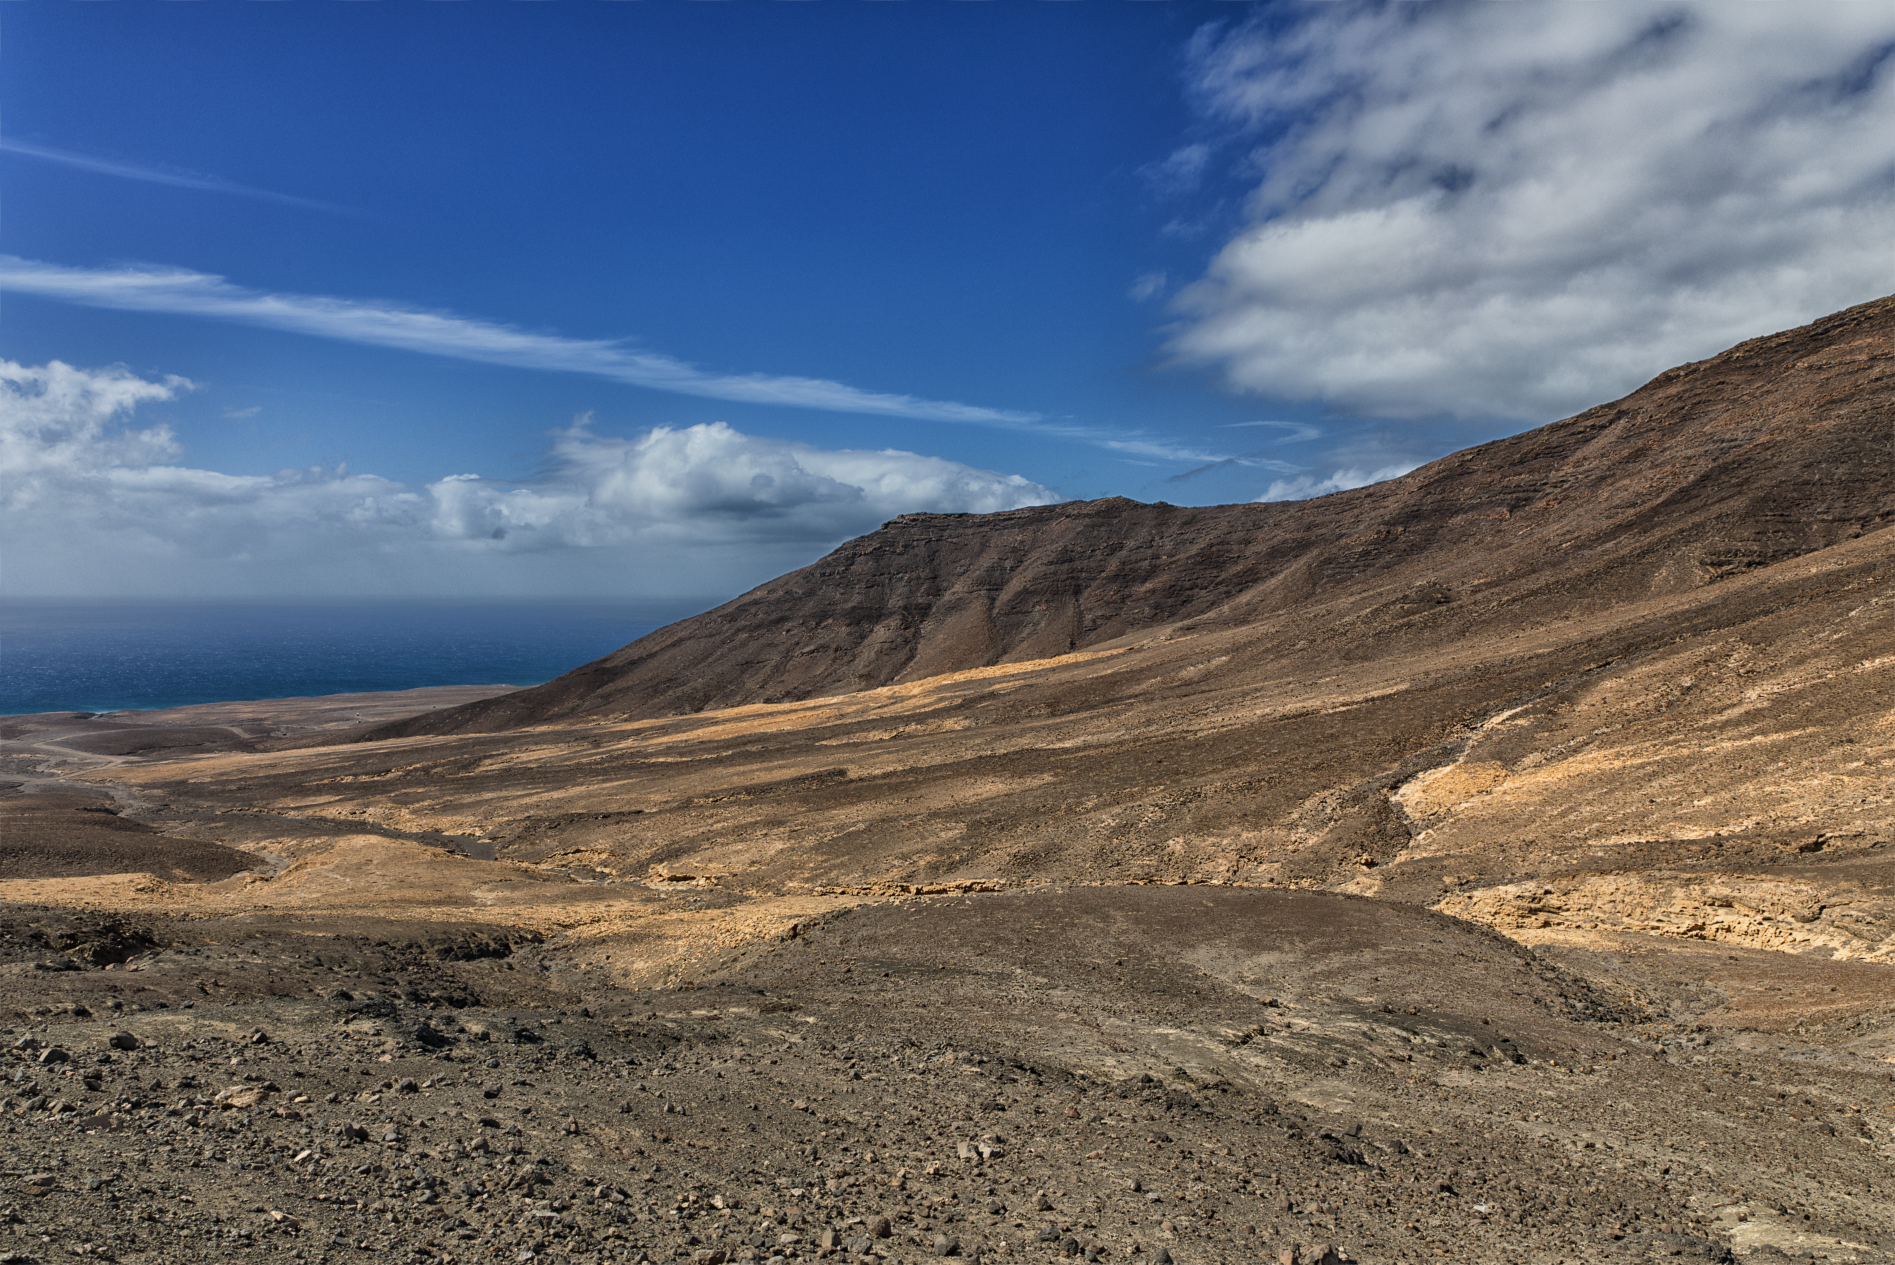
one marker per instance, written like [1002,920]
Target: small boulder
[430,1037]
[122,1041]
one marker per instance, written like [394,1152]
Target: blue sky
[663,297]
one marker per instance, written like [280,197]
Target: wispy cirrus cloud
[1298,432]
[163,175]
[1249,460]
[381,323]
[1155,449]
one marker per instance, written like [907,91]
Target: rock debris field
[1155,1075]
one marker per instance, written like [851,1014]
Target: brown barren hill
[1779,446]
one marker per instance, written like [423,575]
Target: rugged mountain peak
[1779,446]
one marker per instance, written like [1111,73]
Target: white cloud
[1180,171]
[383,324]
[90,504]
[1518,211]
[706,483]
[56,417]
[1297,432]
[1147,285]
[159,175]
[1305,486]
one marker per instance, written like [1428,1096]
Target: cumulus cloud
[90,503]
[383,324]
[1518,211]
[1305,486]
[706,483]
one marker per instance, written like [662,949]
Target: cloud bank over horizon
[1516,212]
[94,504]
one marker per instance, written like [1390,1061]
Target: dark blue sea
[109,656]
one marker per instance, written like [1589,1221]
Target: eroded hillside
[1775,448]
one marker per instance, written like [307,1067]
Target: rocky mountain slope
[1780,446]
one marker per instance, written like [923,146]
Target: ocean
[99,656]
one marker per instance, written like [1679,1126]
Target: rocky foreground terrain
[1120,1074]
[1493,865]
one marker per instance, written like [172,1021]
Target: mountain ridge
[1764,452]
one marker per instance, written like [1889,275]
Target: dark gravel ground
[1152,1075]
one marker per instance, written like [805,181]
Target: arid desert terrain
[1492,865]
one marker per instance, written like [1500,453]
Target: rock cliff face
[1779,446]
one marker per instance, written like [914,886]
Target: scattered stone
[242,1096]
